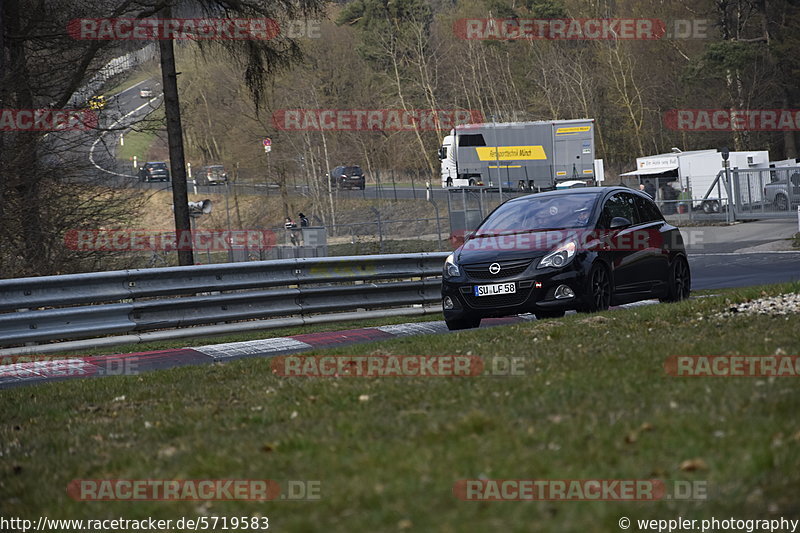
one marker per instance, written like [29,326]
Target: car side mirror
[619,222]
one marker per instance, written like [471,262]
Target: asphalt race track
[728,270]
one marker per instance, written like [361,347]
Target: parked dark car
[348,177]
[583,249]
[154,171]
[211,175]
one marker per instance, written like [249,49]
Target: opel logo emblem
[494,268]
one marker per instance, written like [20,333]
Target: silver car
[783,193]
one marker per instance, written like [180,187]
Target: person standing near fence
[291,230]
[650,189]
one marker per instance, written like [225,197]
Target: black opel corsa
[582,249]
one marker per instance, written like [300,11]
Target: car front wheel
[781,202]
[680,281]
[598,297]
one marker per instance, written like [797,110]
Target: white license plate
[494,290]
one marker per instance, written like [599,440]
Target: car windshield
[157,165]
[540,214]
[352,171]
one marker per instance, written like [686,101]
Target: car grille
[501,300]
[507,269]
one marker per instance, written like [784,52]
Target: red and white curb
[34,369]
[243,349]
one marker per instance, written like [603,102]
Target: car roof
[580,190]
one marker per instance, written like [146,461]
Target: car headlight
[559,257]
[450,267]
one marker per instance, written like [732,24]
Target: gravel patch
[781,305]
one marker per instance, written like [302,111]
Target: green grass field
[593,401]
[137,143]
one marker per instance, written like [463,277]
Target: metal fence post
[380,229]
[436,208]
[729,215]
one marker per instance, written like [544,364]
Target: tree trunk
[172,110]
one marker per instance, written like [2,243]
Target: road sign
[267,142]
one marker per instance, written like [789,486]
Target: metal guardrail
[118,65]
[81,306]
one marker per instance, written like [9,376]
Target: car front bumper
[535,291]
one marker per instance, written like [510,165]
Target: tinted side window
[618,205]
[648,212]
[630,201]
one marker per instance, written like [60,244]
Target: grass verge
[137,143]
[594,402]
